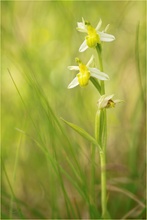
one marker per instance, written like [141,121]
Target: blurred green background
[39,41]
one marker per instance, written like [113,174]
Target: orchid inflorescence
[93,39]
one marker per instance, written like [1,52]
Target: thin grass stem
[12,192]
[14,175]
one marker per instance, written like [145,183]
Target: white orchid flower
[107,102]
[94,36]
[85,72]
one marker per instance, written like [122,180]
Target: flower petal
[90,61]
[73,67]
[106,28]
[83,46]
[83,21]
[73,83]
[98,25]
[103,101]
[81,26]
[98,74]
[106,37]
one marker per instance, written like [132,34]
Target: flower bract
[84,73]
[94,36]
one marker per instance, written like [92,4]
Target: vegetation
[48,170]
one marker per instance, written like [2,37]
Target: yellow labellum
[92,39]
[83,75]
[110,104]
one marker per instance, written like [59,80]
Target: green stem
[93,151]
[99,52]
[103,183]
[101,134]
[97,125]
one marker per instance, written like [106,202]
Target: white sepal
[106,37]
[98,74]
[73,83]
[83,46]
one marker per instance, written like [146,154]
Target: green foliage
[48,170]
[82,132]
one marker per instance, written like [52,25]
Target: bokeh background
[39,152]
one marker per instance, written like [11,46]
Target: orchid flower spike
[107,102]
[85,72]
[94,36]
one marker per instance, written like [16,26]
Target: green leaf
[82,132]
